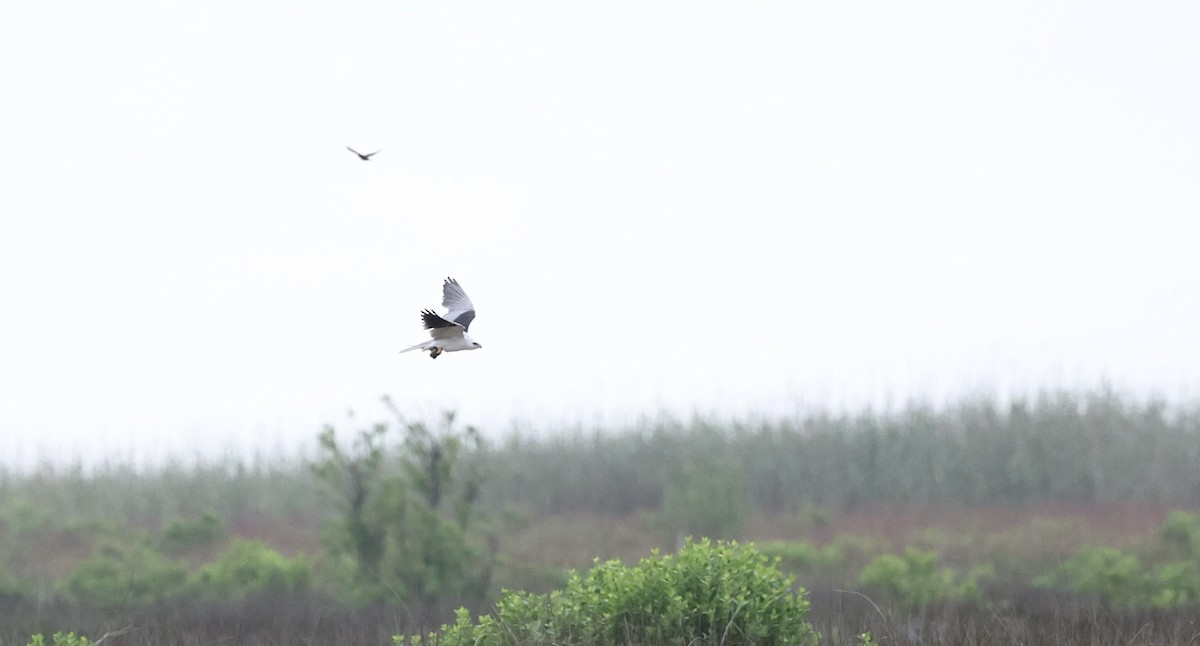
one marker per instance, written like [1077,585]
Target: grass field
[538,551]
[912,548]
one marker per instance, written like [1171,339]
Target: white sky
[742,208]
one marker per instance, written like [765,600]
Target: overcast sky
[743,208]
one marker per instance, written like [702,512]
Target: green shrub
[248,568]
[1103,571]
[183,536]
[914,580]
[795,556]
[21,518]
[409,526]
[723,593]
[805,558]
[127,576]
[61,639]
[1181,531]
[1174,584]
[1121,578]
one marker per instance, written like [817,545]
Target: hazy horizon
[735,209]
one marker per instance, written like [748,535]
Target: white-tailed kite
[449,332]
[366,157]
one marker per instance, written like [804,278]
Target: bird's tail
[424,345]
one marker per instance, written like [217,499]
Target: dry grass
[1032,619]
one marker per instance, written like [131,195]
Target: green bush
[127,576]
[430,560]
[723,593]
[21,518]
[795,556]
[248,568]
[1105,572]
[914,580]
[806,558]
[183,536]
[1121,578]
[61,639]
[1174,584]
[1181,531]
[409,527]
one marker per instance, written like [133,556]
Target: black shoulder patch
[432,320]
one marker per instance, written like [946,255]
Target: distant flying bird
[366,157]
[449,332]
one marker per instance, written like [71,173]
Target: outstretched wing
[455,299]
[354,151]
[374,153]
[440,328]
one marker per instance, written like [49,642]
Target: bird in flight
[366,157]
[449,332]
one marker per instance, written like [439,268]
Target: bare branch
[114,633]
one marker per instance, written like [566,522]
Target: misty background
[732,209]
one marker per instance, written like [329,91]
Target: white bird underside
[449,332]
